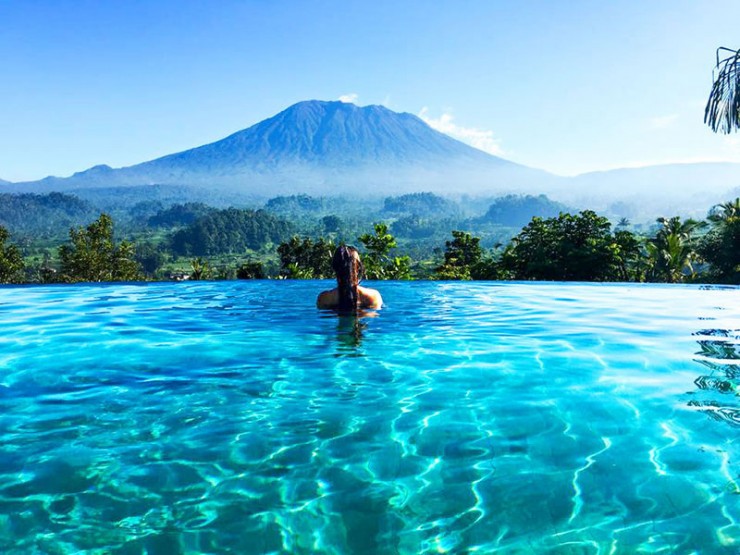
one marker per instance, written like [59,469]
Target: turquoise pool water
[234,417]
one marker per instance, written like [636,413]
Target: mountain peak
[100,169]
[320,147]
[329,107]
[336,134]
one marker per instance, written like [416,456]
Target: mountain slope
[321,148]
[329,134]
[339,149]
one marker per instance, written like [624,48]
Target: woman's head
[349,269]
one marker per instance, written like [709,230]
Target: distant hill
[422,205]
[179,215]
[336,149]
[518,210]
[46,215]
[670,188]
[676,178]
[324,148]
[124,197]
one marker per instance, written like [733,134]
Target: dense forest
[62,238]
[43,215]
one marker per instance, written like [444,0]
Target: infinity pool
[233,417]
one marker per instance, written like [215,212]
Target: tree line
[568,247]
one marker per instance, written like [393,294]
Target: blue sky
[564,86]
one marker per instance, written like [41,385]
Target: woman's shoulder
[370,298]
[327,299]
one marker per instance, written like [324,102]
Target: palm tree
[724,212]
[672,250]
[201,269]
[723,107]
[671,258]
[720,248]
[676,226]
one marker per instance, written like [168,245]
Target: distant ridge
[319,147]
[683,188]
[333,148]
[681,179]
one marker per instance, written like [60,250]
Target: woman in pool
[348,295]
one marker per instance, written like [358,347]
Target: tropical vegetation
[431,238]
[722,112]
[11,259]
[93,255]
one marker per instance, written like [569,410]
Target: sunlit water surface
[461,418]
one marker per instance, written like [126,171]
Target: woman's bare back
[369,298]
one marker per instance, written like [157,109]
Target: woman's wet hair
[349,269]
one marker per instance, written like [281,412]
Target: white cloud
[661,122]
[479,138]
[351,98]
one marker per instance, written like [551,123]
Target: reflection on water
[720,385]
[723,344]
[350,328]
[464,418]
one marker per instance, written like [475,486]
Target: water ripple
[481,417]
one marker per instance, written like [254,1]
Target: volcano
[324,148]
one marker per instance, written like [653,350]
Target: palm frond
[723,107]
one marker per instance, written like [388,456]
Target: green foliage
[44,270]
[200,269]
[229,231]
[331,224]
[517,210]
[463,257]
[141,212]
[421,204]
[724,212]
[251,270]
[295,204]
[377,247]
[720,248]
[377,260]
[94,256]
[306,259]
[671,253]
[399,268]
[179,215]
[628,255]
[150,257]
[43,215]
[568,248]
[11,260]
[417,227]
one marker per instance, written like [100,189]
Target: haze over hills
[318,147]
[689,188]
[337,148]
